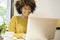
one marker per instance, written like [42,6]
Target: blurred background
[50,8]
[7,10]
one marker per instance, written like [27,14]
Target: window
[5,11]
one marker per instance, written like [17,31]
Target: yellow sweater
[58,23]
[17,25]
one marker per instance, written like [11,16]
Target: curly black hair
[22,3]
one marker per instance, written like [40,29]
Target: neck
[24,17]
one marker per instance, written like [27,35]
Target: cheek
[30,11]
[23,11]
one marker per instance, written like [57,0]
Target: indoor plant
[3,25]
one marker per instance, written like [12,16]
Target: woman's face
[26,10]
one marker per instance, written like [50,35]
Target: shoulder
[16,17]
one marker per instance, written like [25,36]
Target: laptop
[40,28]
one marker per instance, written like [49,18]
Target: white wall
[47,8]
[15,12]
[8,14]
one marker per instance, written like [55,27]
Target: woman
[18,24]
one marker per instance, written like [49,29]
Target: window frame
[9,11]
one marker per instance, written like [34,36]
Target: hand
[20,35]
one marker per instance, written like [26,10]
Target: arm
[12,24]
[11,28]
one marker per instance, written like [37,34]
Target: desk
[8,36]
